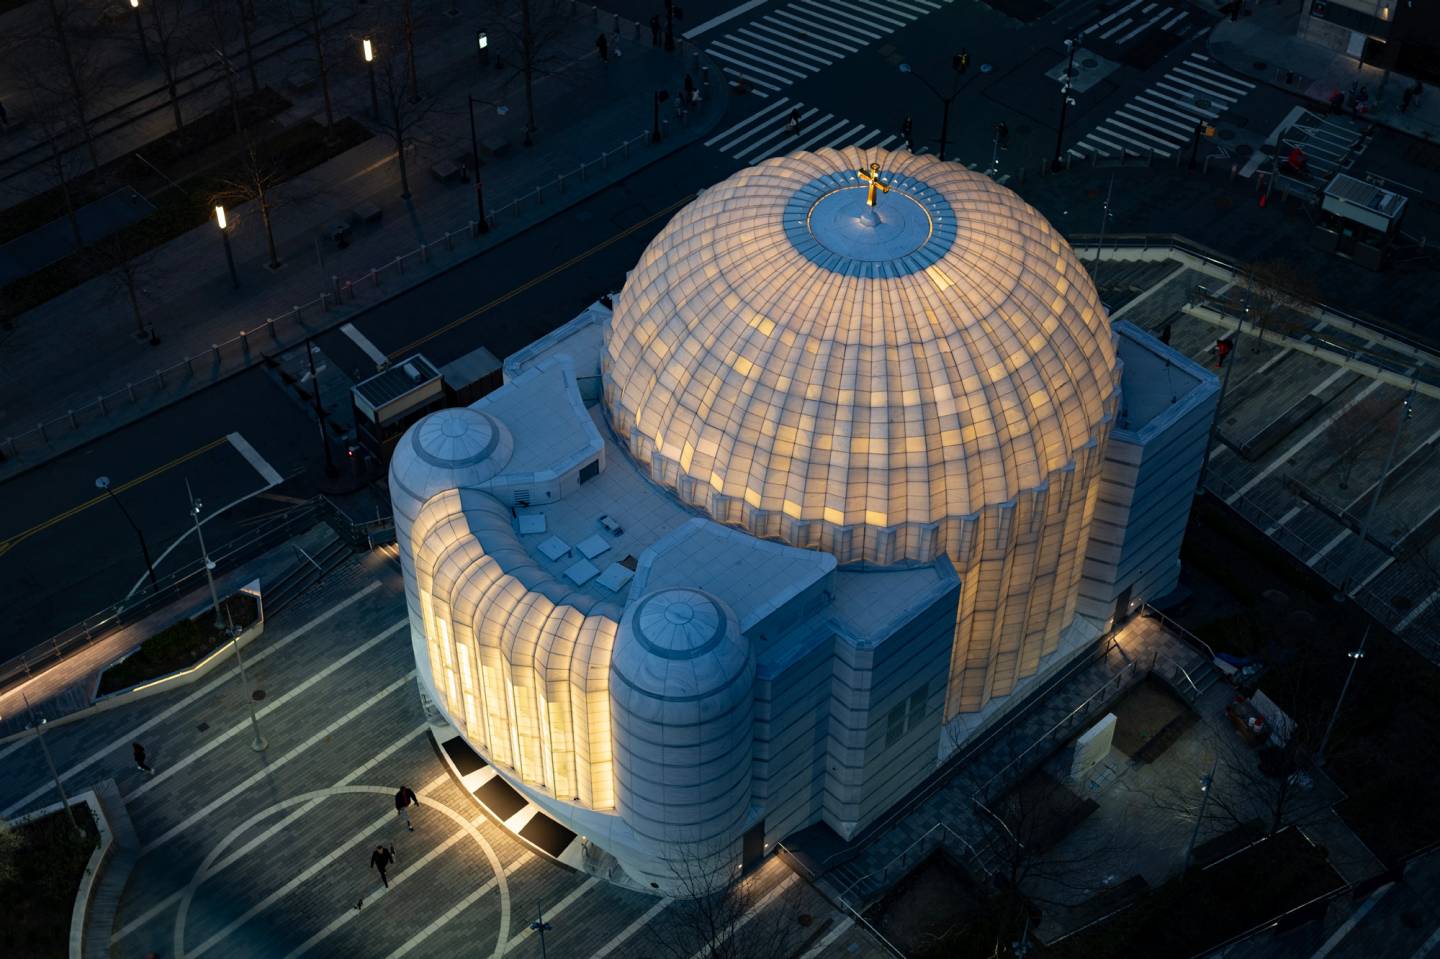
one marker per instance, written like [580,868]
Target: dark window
[917,707]
[589,471]
[895,725]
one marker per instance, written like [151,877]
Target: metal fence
[278,333]
[19,668]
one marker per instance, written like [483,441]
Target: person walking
[140,763]
[404,799]
[655,30]
[690,96]
[793,124]
[603,45]
[381,859]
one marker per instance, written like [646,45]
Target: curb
[340,315]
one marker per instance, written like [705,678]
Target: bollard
[216,348]
[449,244]
[9,444]
[188,368]
[244,341]
[1069,159]
[295,315]
[616,31]
[561,181]
[325,301]
[582,173]
[159,379]
[539,197]
[627,149]
[335,280]
[100,402]
[638,35]
[40,428]
[400,265]
[604,161]
[130,391]
[73,424]
[375,275]
[424,253]
[597,13]
[270,326]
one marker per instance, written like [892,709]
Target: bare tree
[718,913]
[1360,433]
[398,115]
[172,27]
[1274,291]
[60,66]
[127,275]
[57,126]
[532,29]
[255,181]
[311,19]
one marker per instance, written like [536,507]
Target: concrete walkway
[587,111]
[1264,45]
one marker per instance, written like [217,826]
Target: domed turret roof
[784,344]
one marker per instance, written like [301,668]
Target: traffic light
[961,61]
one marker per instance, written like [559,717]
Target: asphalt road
[542,278]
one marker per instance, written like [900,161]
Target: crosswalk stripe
[1157,120]
[1195,70]
[884,14]
[748,62]
[930,3]
[1201,85]
[867,138]
[887,141]
[728,45]
[849,21]
[786,26]
[919,11]
[808,144]
[1175,19]
[1116,29]
[1184,111]
[760,41]
[775,135]
[1143,133]
[1129,6]
[786,34]
[1142,28]
[847,138]
[1190,91]
[1210,83]
[1096,146]
[743,75]
[1135,146]
[747,121]
[788,20]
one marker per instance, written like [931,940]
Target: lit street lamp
[39,727]
[1355,656]
[225,622]
[140,29]
[659,97]
[369,52]
[959,63]
[1066,100]
[225,238]
[103,482]
[482,48]
[1205,785]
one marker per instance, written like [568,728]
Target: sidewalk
[1263,44]
[587,113]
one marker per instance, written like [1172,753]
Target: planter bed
[289,153]
[179,647]
[49,862]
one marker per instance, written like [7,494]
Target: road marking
[363,341]
[555,910]
[631,929]
[206,871]
[534,281]
[143,577]
[7,544]
[132,735]
[765,900]
[1429,944]
[244,725]
[270,767]
[1322,551]
[1414,614]
[468,826]
[725,17]
[1373,573]
[1289,515]
[838,930]
[349,914]
[242,446]
[1349,924]
[440,921]
[746,122]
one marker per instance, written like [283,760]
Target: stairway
[114,873]
[309,569]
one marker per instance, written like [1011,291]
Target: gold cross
[873,178]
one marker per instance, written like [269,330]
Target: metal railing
[854,896]
[191,576]
[278,333]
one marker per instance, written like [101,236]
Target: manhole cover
[1089,63]
[202,726]
[258,695]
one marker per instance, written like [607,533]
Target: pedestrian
[4,117]
[906,127]
[793,124]
[1417,90]
[381,859]
[603,45]
[404,799]
[1165,334]
[1405,98]
[655,30]
[690,96]
[140,763]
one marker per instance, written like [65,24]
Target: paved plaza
[244,853]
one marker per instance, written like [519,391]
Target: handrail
[1147,610]
[61,644]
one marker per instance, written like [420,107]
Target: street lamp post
[39,726]
[1066,100]
[319,408]
[103,482]
[1404,417]
[481,224]
[540,926]
[369,51]
[482,49]
[657,98]
[1205,785]
[140,29]
[225,622]
[959,63]
[1355,656]
[225,238]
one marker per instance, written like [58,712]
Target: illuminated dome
[872,380]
